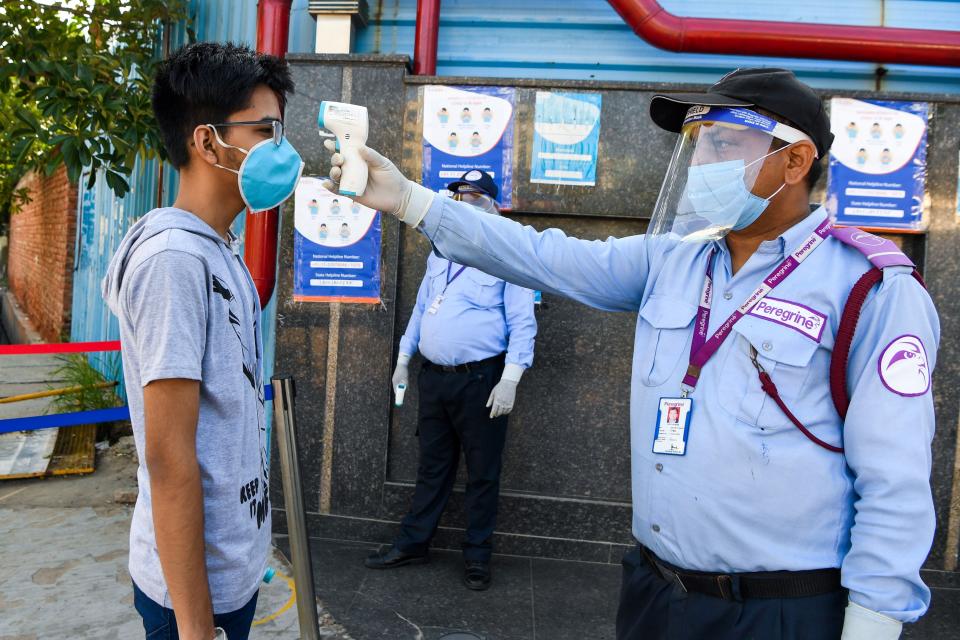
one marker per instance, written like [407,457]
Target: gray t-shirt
[188,309]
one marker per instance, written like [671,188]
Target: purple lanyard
[702,348]
[455,276]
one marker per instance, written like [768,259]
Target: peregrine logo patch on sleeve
[903,367]
[790,314]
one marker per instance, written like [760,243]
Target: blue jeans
[160,623]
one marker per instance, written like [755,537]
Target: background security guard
[476,333]
[746,527]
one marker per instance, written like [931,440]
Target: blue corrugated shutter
[587,40]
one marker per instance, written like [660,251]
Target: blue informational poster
[467,128]
[878,163]
[336,247]
[566,138]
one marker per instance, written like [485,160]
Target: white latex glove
[505,393]
[860,623]
[387,189]
[401,375]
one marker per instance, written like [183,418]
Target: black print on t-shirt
[220,288]
[258,508]
[256,492]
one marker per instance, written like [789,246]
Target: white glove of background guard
[503,395]
[860,623]
[401,375]
[387,189]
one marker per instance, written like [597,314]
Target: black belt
[739,586]
[466,367]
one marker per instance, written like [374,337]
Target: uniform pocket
[784,353]
[663,337]
[485,290]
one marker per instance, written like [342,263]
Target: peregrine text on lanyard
[703,348]
[674,414]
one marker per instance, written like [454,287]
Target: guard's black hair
[206,82]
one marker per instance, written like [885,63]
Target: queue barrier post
[284,392]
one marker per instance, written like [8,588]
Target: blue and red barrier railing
[73,418]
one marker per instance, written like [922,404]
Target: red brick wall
[40,263]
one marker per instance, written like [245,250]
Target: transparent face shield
[711,185]
[477,199]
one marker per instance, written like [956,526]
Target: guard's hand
[401,375]
[502,398]
[387,189]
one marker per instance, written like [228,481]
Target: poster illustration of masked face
[468,128]
[336,247]
[878,162]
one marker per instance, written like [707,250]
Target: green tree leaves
[75,88]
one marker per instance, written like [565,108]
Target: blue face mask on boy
[718,193]
[268,174]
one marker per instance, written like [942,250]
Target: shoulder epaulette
[879,251]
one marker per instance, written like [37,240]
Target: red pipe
[260,248]
[425,41]
[662,29]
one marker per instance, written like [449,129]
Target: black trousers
[653,609]
[453,417]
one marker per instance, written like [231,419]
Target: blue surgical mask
[269,173]
[717,193]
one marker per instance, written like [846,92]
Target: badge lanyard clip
[439,299]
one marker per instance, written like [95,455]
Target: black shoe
[476,575]
[393,558]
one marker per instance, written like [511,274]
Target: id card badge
[673,426]
[435,305]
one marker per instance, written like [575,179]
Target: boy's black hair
[206,82]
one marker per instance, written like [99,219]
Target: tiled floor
[63,561]
[531,599]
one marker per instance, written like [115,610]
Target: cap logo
[473,175]
[697,110]
[903,367]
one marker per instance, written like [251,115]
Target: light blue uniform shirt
[752,492]
[480,317]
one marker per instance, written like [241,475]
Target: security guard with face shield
[476,333]
[760,513]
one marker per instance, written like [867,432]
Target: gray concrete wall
[566,478]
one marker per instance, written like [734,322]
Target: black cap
[775,90]
[479,180]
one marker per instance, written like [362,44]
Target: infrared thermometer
[399,390]
[348,122]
